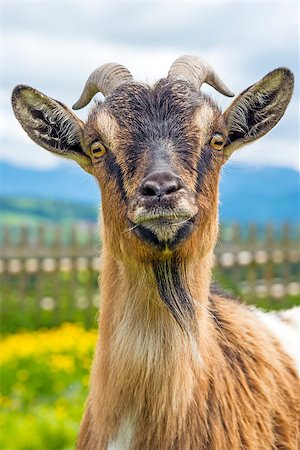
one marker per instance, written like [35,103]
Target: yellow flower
[68,338]
[61,362]
[5,402]
[60,411]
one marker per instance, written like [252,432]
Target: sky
[54,46]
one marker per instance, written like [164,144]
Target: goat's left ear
[258,109]
[50,124]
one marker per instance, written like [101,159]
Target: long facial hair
[174,292]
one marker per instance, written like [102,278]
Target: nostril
[157,184]
[172,186]
[150,188]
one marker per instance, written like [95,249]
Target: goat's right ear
[50,124]
[258,109]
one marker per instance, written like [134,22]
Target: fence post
[62,267]
[269,266]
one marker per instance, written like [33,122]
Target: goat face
[159,162]
[156,152]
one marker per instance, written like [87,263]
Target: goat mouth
[163,218]
[163,229]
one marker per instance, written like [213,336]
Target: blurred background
[49,245]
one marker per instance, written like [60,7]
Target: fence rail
[52,271]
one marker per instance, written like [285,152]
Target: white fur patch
[123,439]
[165,223]
[285,326]
[164,232]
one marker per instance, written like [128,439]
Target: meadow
[44,381]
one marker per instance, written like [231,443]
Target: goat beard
[173,291]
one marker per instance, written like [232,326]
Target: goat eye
[217,141]
[97,149]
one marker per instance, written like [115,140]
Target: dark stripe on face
[204,166]
[133,152]
[173,292]
[114,171]
[183,233]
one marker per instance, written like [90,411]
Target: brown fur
[221,382]
[229,386]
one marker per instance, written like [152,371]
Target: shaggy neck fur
[148,328]
[176,368]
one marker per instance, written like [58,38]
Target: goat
[178,365]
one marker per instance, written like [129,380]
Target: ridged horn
[197,71]
[104,79]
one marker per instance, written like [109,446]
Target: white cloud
[270,152]
[66,63]
[30,155]
[257,25]
[241,40]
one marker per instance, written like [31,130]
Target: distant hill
[34,211]
[247,194]
[67,182]
[265,194]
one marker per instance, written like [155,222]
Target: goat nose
[157,184]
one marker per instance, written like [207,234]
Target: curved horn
[104,79]
[198,71]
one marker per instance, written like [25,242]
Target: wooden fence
[49,274]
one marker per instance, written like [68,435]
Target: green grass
[44,381]
[30,211]
[32,300]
